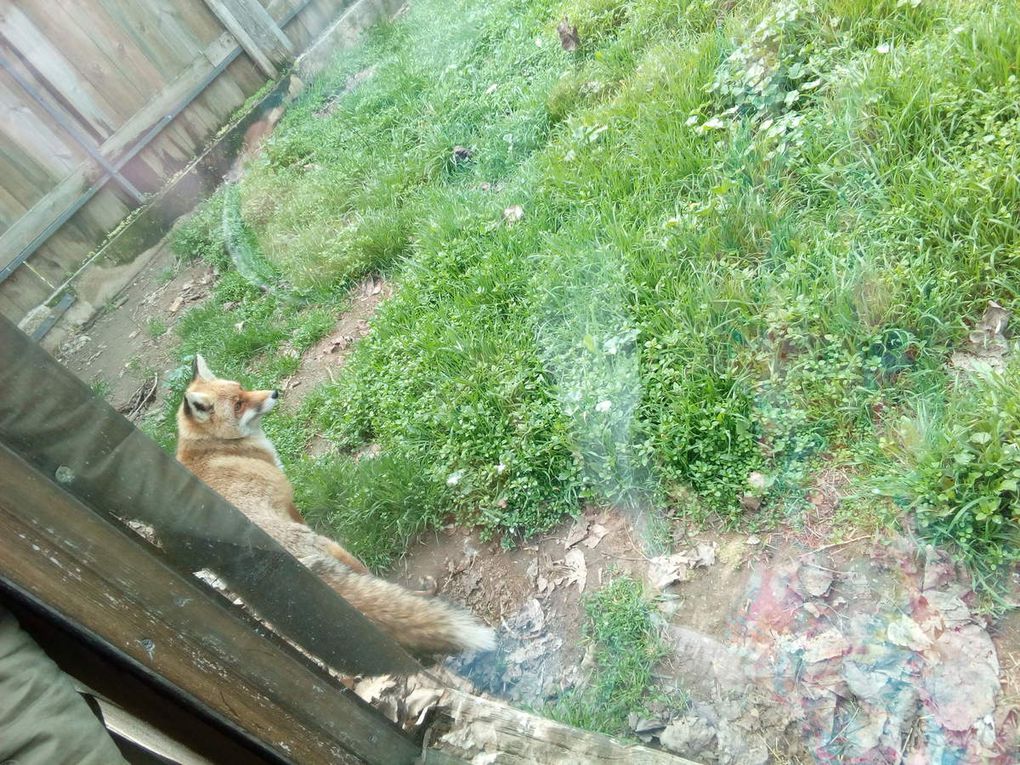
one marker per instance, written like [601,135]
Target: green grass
[625,647]
[100,388]
[156,327]
[753,233]
[958,468]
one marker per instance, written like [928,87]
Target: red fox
[220,440]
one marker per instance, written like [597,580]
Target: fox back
[220,440]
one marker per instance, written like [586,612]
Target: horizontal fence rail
[103,101]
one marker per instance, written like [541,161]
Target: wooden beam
[59,551]
[482,730]
[122,474]
[256,32]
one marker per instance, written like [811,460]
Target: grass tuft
[625,648]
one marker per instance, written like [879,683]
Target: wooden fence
[103,101]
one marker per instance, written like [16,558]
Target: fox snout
[256,403]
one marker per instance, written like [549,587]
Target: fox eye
[238,406]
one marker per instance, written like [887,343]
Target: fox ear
[199,404]
[200,370]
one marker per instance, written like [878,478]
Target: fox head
[215,408]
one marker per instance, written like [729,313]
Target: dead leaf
[419,702]
[953,611]
[907,633]
[568,35]
[528,621]
[598,532]
[461,154]
[577,532]
[866,683]
[702,555]
[689,736]
[965,682]
[865,734]
[533,649]
[815,581]
[372,689]
[825,646]
[513,214]
[666,570]
[577,569]
[176,305]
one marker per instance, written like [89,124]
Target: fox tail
[419,623]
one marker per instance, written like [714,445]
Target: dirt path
[323,360]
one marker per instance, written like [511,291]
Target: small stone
[815,581]
[757,481]
[689,737]
[750,503]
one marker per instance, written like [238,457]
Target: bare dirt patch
[132,341]
[870,651]
[324,360]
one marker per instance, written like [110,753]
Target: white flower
[884,48]
[454,478]
[603,406]
[500,469]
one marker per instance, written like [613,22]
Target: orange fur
[221,441]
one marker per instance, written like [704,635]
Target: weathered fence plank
[256,31]
[119,72]
[48,58]
[481,730]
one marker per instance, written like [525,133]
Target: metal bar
[142,142]
[71,130]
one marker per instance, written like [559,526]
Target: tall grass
[752,234]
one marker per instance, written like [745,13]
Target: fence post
[256,32]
